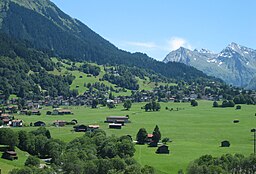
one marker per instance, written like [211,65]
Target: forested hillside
[23,71]
[29,73]
[47,28]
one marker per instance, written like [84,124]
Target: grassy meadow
[194,131]
[81,78]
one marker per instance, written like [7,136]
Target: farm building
[10,155]
[64,112]
[35,112]
[61,112]
[80,128]
[149,137]
[163,149]
[59,123]
[39,123]
[74,121]
[23,112]
[91,128]
[6,118]
[152,144]
[120,122]
[83,128]
[11,109]
[236,121]
[115,126]
[16,123]
[116,119]
[6,121]
[3,116]
[225,143]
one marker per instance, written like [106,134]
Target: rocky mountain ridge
[235,64]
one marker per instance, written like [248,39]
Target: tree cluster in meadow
[142,136]
[225,103]
[225,164]
[152,106]
[194,103]
[94,152]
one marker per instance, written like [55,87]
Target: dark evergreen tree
[156,135]
[127,104]
[142,136]
[95,102]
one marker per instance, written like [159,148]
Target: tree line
[94,152]
[237,164]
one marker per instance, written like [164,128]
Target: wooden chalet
[74,121]
[6,121]
[10,155]
[150,137]
[91,128]
[16,123]
[61,112]
[24,112]
[60,123]
[39,123]
[236,121]
[225,143]
[6,118]
[64,112]
[116,119]
[163,149]
[115,126]
[80,128]
[11,108]
[35,112]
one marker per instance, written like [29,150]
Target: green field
[195,131]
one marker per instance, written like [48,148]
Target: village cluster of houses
[9,120]
[86,99]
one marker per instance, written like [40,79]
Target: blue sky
[156,27]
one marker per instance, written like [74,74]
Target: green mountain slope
[46,27]
[27,72]
[24,71]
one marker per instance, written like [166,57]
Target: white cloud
[143,44]
[157,50]
[176,42]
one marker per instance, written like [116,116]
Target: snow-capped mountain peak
[235,64]
[234,46]
[205,51]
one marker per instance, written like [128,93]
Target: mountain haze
[235,64]
[46,27]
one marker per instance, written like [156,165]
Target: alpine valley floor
[194,131]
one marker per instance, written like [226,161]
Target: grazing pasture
[194,131]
